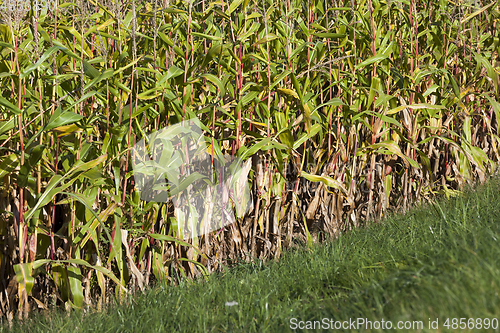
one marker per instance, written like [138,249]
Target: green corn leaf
[370,61]
[218,83]
[158,268]
[82,262]
[7,45]
[8,164]
[328,181]
[9,106]
[477,12]
[214,51]
[36,154]
[329,35]
[90,70]
[24,276]
[6,126]
[284,132]
[105,75]
[75,285]
[235,4]
[202,268]
[245,152]
[52,189]
[306,136]
[251,31]
[288,92]
[60,278]
[373,89]
[60,119]
[389,147]
[44,57]
[170,43]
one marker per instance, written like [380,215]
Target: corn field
[346,109]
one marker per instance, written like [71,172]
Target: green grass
[438,261]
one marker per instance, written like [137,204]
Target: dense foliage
[346,108]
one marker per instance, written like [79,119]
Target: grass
[439,260]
